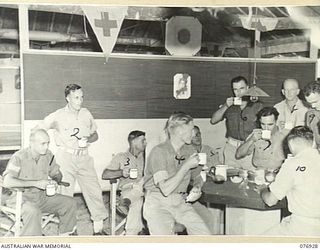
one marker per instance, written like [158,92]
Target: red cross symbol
[105,23]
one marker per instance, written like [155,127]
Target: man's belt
[234,142]
[79,152]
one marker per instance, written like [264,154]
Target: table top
[235,195]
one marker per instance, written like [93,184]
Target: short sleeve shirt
[24,167]
[212,155]
[240,123]
[162,164]
[296,116]
[126,160]
[298,180]
[70,127]
[313,122]
[269,154]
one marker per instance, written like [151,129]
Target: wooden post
[24,46]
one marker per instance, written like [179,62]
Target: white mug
[203,175]
[266,134]
[82,143]
[202,158]
[220,170]
[237,101]
[50,189]
[133,173]
[289,156]
[259,176]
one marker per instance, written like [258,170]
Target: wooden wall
[127,88]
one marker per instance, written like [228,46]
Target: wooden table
[245,213]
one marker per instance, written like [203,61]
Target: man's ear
[298,91]
[282,91]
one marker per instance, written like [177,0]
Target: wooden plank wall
[127,88]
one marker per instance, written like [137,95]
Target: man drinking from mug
[28,170]
[240,115]
[129,166]
[167,176]
[266,143]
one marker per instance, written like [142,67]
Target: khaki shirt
[162,164]
[296,116]
[126,160]
[298,180]
[212,155]
[240,123]
[70,127]
[268,154]
[24,167]
[313,122]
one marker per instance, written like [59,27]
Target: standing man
[267,152]
[74,130]
[312,94]
[167,176]
[129,167]
[291,110]
[28,170]
[298,180]
[240,119]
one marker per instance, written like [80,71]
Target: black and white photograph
[144,121]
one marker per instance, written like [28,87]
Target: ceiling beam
[45,36]
[134,13]
[8,48]
[285,45]
[283,41]
[283,23]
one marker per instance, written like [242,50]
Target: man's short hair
[238,79]
[175,120]
[311,87]
[135,134]
[71,87]
[267,111]
[302,132]
[290,80]
[36,131]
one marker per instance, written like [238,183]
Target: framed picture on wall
[182,86]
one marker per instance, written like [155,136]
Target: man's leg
[31,217]
[65,207]
[68,170]
[211,220]
[186,215]
[134,219]
[160,221]
[91,190]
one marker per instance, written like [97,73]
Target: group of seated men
[164,188]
